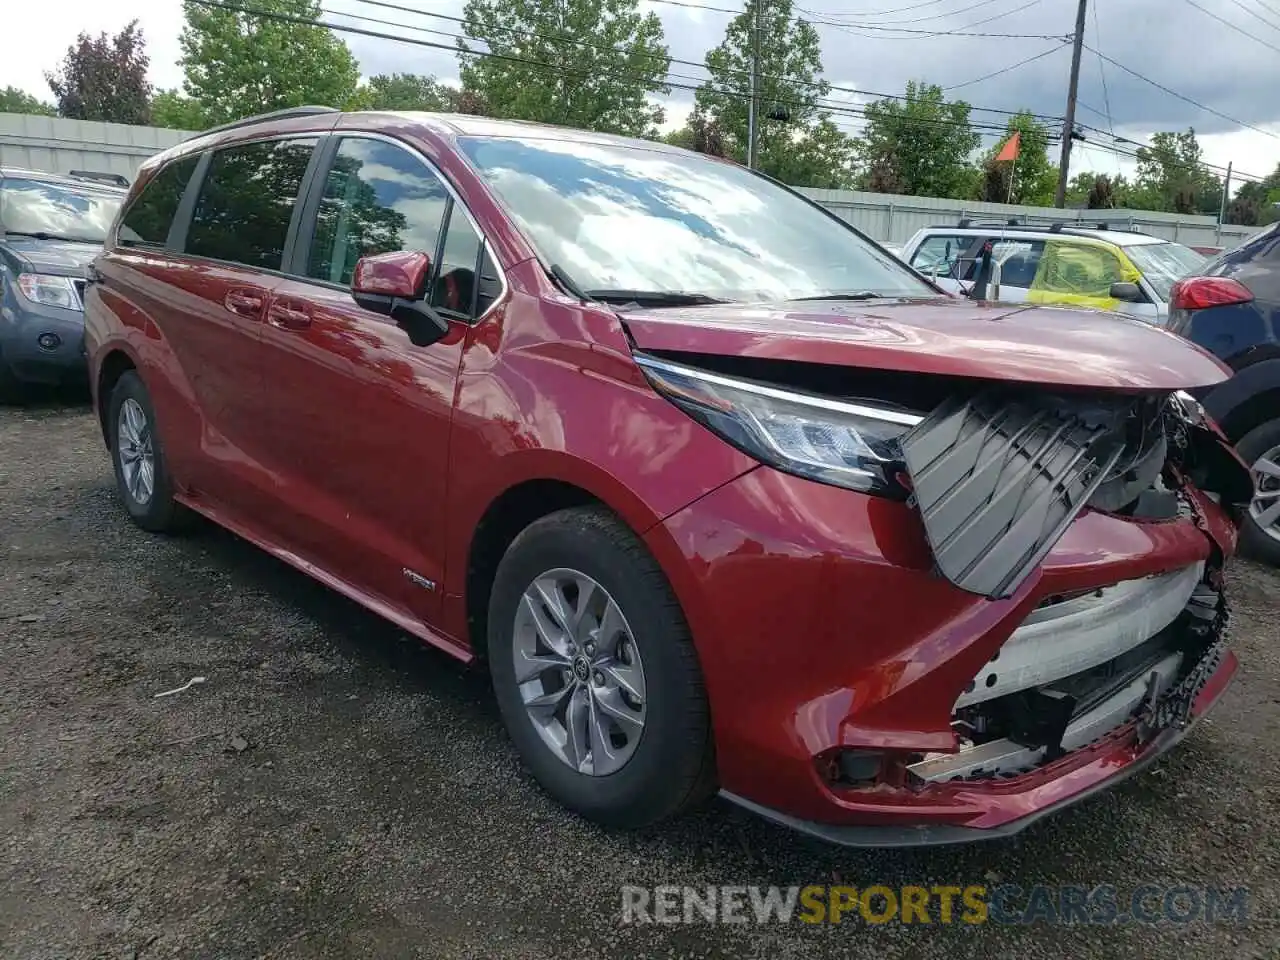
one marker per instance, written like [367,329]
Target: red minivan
[724,496]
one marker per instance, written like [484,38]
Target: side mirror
[395,284]
[1127,292]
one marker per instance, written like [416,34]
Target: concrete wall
[894,218]
[55,145]
[60,146]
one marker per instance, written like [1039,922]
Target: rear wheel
[1260,534]
[595,672]
[142,476]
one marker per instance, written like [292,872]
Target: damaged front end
[997,479]
[1008,595]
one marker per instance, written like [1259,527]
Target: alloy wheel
[579,672]
[1265,508]
[136,452]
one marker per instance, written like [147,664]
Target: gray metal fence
[895,218]
[60,146]
[55,145]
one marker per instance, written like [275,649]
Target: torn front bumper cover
[1121,736]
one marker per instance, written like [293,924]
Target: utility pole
[1226,192]
[753,108]
[1069,122]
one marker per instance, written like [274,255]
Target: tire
[1256,542]
[670,767]
[157,511]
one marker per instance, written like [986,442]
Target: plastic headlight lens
[845,444]
[51,291]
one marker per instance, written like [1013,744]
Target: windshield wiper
[853,295]
[656,298]
[45,235]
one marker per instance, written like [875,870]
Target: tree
[1034,177]
[796,141]
[13,100]
[702,134]
[171,109]
[104,78]
[405,91]
[1172,175]
[238,64]
[539,68]
[921,143]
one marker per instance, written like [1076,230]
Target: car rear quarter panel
[116,322]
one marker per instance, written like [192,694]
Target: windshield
[620,217]
[61,211]
[1163,263]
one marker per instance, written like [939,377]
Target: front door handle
[244,303]
[288,318]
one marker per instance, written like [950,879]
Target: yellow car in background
[1082,266]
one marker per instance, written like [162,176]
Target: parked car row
[656,437]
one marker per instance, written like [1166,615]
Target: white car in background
[1073,264]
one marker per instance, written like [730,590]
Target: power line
[1257,16]
[932,16]
[1236,27]
[1102,71]
[959,32]
[557,68]
[560,38]
[1012,66]
[1174,93]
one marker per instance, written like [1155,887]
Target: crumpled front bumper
[822,626]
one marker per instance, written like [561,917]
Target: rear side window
[377,198]
[148,219]
[246,202]
[1019,261]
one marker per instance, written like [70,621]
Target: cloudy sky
[1223,54]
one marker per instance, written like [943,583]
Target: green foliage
[1034,177]
[104,78]
[796,142]
[13,100]
[171,109]
[404,91]
[544,70]
[1171,174]
[238,64]
[920,145]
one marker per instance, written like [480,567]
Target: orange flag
[1010,149]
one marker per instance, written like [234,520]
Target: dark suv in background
[1231,307]
[51,227]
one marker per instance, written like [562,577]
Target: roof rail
[114,179]
[966,222]
[284,114]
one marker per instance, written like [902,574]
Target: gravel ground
[334,790]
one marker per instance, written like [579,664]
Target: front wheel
[595,672]
[1260,533]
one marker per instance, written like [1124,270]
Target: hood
[62,258]
[1033,344]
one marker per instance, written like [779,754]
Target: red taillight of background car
[1197,293]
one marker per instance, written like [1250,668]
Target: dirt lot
[333,790]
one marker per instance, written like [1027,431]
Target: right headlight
[851,445]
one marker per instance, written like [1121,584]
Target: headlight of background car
[846,444]
[51,291]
